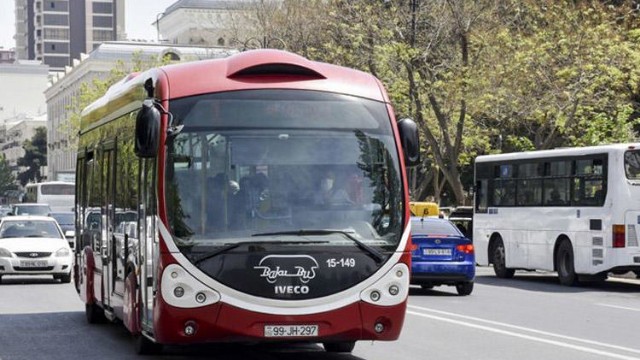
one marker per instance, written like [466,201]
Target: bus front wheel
[145,346]
[564,263]
[500,263]
[345,346]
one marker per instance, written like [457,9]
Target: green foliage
[35,156]
[7,179]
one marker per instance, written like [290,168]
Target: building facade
[58,31]
[206,22]
[14,132]
[21,93]
[65,87]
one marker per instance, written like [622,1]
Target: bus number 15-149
[342,262]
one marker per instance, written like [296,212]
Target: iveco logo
[273,267]
[33,254]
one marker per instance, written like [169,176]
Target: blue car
[441,255]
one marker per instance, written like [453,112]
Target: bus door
[148,247]
[108,226]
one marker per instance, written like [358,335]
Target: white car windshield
[29,228]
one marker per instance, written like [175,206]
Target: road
[528,317]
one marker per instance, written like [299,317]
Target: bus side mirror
[147,130]
[410,141]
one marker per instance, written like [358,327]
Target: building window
[54,19]
[102,8]
[221,42]
[102,22]
[103,35]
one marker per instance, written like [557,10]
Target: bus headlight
[394,290]
[391,289]
[181,289]
[201,297]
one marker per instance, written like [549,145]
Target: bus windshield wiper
[375,254]
[230,246]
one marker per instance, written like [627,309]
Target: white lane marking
[619,307]
[521,328]
[527,337]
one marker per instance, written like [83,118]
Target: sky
[139,15]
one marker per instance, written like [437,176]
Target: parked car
[441,255]
[34,245]
[66,220]
[30,209]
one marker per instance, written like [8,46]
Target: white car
[34,245]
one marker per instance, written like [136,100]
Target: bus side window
[482,195]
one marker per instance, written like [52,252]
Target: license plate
[436,251]
[33,263]
[290,330]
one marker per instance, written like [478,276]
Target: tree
[566,77]
[90,91]
[7,179]
[35,156]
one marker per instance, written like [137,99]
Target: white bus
[575,211]
[60,195]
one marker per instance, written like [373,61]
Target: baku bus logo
[273,267]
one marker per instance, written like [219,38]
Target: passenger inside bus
[555,198]
[331,192]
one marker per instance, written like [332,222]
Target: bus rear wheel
[344,346]
[499,261]
[564,263]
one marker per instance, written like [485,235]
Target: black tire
[426,286]
[564,264]
[499,261]
[94,314]
[464,288]
[0,279]
[65,279]
[144,346]
[343,347]
[637,272]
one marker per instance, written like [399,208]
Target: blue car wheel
[464,288]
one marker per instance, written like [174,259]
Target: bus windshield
[250,163]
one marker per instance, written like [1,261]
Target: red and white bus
[219,162]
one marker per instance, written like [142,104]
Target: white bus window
[504,193]
[632,164]
[558,168]
[529,192]
[556,192]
